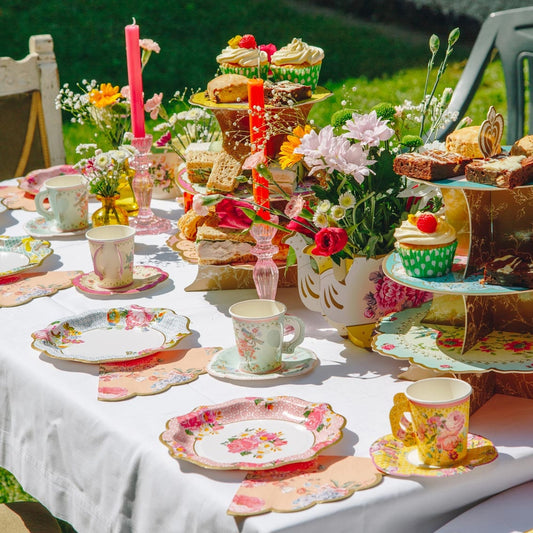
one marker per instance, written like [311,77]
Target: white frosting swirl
[408,233]
[244,57]
[297,53]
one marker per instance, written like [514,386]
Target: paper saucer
[391,456]
[144,277]
[40,227]
[225,365]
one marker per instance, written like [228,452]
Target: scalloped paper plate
[253,433]
[115,334]
[21,253]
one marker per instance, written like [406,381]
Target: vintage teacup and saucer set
[260,352]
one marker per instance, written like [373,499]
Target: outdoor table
[101,466]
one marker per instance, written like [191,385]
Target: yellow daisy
[287,156]
[105,96]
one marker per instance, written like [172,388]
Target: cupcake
[297,62]
[243,56]
[426,244]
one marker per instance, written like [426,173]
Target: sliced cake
[505,172]
[430,165]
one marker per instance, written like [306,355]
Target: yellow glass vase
[110,212]
[127,198]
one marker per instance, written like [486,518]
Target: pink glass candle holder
[266,273]
[145,223]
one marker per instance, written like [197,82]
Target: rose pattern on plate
[256,442]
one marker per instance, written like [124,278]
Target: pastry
[228,88]
[509,270]
[466,142]
[523,146]
[243,56]
[430,165]
[297,62]
[286,92]
[505,172]
[426,244]
[189,222]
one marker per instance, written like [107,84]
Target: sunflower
[105,96]
[287,156]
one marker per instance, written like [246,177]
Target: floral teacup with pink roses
[439,409]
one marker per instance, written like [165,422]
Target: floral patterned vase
[354,295]
[164,169]
[110,212]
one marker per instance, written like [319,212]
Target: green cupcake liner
[304,75]
[249,72]
[428,263]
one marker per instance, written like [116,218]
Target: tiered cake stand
[470,327]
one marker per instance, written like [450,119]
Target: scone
[466,142]
[228,88]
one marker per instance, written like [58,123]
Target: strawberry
[247,41]
[427,222]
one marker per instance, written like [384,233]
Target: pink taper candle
[135,81]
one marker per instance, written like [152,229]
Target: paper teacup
[68,198]
[259,327]
[112,251]
[439,409]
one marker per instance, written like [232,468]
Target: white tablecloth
[101,466]
[510,511]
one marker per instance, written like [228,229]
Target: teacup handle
[95,261]
[401,427]
[40,197]
[299,333]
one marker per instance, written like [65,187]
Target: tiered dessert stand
[470,327]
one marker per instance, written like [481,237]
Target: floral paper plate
[32,182]
[116,334]
[391,456]
[21,253]
[253,433]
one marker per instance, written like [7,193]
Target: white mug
[69,200]
[112,251]
[259,327]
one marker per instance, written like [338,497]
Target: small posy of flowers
[188,124]
[103,105]
[105,170]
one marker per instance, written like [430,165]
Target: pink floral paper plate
[253,433]
[391,456]
[115,334]
[144,277]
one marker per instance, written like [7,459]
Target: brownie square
[431,165]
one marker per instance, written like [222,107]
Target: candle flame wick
[134,21]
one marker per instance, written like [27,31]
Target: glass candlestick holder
[145,223]
[266,273]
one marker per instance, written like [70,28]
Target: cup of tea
[112,251]
[259,327]
[68,200]
[439,411]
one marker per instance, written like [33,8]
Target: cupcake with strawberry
[426,244]
[243,56]
[297,62]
